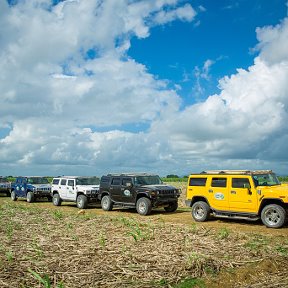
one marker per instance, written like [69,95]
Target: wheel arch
[269,201]
[141,195]
[55,192]
[199,198]
[80,193]
[104,193]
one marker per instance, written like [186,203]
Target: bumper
[40,193]
[158,202]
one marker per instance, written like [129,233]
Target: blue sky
[223,33]
[167,86]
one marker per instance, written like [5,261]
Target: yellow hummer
[238,194]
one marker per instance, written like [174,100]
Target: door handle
[210,191]
[233,192]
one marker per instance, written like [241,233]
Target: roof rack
[132,173]
[243,172]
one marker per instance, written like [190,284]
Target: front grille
[43,189]
[166,192]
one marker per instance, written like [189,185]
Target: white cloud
[273,42]
[51,93]
[185,13]
[56,101]
[246,122]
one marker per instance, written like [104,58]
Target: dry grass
[76,250]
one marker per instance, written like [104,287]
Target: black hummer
[141,190]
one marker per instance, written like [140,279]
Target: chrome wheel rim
[272,217]
[198,212]
[142,207]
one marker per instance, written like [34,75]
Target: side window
[126,180]
[219,182]
[115,181]
[63,182]
[105,179]
[70,183]
[240,183]
[197,181]
[55,181]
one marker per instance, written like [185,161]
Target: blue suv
[31,188]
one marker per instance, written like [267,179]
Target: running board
[236,216]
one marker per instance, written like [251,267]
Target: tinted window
[197,181]
[38,180]
[87,181]
[148,180]
[55,181]
[126,180]
[218,182]
[240,183]
[105,179]
[70,183]
[115,181]
[63,181]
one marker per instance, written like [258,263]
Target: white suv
[79,189]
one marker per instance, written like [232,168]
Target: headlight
[154,193]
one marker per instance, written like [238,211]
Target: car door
[243,195]
[127,190]
[71,192]
[218,192]
[62,188]
[115,189]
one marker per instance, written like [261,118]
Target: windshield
[3,180]
[88,181]
[148,180]
[266,179]
[38,180]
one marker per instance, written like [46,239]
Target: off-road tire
[82,202]
[172,207]
[273,216]
[56,199]
[30,197]
[200,211]
[144,206]
[13,196]
[106,203]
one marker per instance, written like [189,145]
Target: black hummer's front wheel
[172,207]
[106,203]
[144,206]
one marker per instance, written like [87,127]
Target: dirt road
[181,216]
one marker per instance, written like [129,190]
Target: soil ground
[94,248]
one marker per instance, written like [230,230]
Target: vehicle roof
[132,174]
[66,177]
[233,172]
[31,177]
